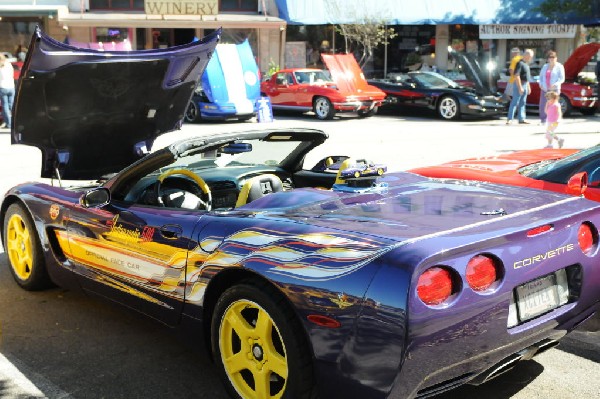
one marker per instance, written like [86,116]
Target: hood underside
[348,76]
[92,112]
[579,59]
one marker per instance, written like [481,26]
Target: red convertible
[561,170]
[575,95]
[309,89]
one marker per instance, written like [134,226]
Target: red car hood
[579,59]
[348,76]
[499,164]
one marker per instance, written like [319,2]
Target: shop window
[238,5]
[116,4]
[107,35]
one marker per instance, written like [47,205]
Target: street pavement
[60,344]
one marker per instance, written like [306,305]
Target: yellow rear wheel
[259,344]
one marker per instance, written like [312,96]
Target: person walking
[553,116]
[7,90]
[515,56]
[552,76]
[519,99]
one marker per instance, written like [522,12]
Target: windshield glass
[432,80]
[259,152]
[311,77]
[539,169]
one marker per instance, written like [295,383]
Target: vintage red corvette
[575,94]
[343,89]
[561,170]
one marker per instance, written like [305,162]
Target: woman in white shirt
[7,90]
[552,76]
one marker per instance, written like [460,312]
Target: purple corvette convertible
[405,289]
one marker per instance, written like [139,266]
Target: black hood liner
[92,113]
[485,83]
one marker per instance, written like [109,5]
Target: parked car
[407,288]
[229,87]
[570,171]
[342,88]
[430,90]
[575,94]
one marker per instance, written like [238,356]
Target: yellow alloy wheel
[19,247]
[252,351]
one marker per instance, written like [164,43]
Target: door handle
[171,231]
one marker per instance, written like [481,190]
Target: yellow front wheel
[260,347]
[23,248]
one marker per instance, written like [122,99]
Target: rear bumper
[475,370]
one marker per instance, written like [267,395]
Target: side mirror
[96,197]
[577,184]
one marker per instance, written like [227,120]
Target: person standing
[7,90]
[515,54]
[519,99]
[553,116]
[552,76]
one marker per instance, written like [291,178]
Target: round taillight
[434,286]
[587,237]
[481,273]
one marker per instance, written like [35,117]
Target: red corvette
[574,94]
[309,89]
[564,171]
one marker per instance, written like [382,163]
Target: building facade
[145,24]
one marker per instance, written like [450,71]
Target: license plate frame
[537,297]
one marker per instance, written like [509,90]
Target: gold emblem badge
[54,211]
[342,301]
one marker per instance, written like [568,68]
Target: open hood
[579,59]
[232,76]
[93,112]
[484,82]
[348,76]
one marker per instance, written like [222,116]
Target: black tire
[565,105]
[323,108]
[588,111]
[192,113]
[448,108]
[24,251]
[367,113]
[248,349]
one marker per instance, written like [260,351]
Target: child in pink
[554,114]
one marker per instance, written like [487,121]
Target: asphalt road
[62,344]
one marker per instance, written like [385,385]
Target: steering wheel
[185,172]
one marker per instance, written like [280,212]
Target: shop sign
[542,31]
[181,7]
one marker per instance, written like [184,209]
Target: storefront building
[145,24]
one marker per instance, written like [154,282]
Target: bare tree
[363,33]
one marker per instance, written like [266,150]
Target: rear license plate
[537,297]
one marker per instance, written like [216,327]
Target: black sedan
[449,99]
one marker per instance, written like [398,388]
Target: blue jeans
[8,97]
[517,103]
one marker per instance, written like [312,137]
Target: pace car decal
[162,268]
[308,257]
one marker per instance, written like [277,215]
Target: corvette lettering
[541,257]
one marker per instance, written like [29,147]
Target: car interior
[229,175]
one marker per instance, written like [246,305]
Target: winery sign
[181,7]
